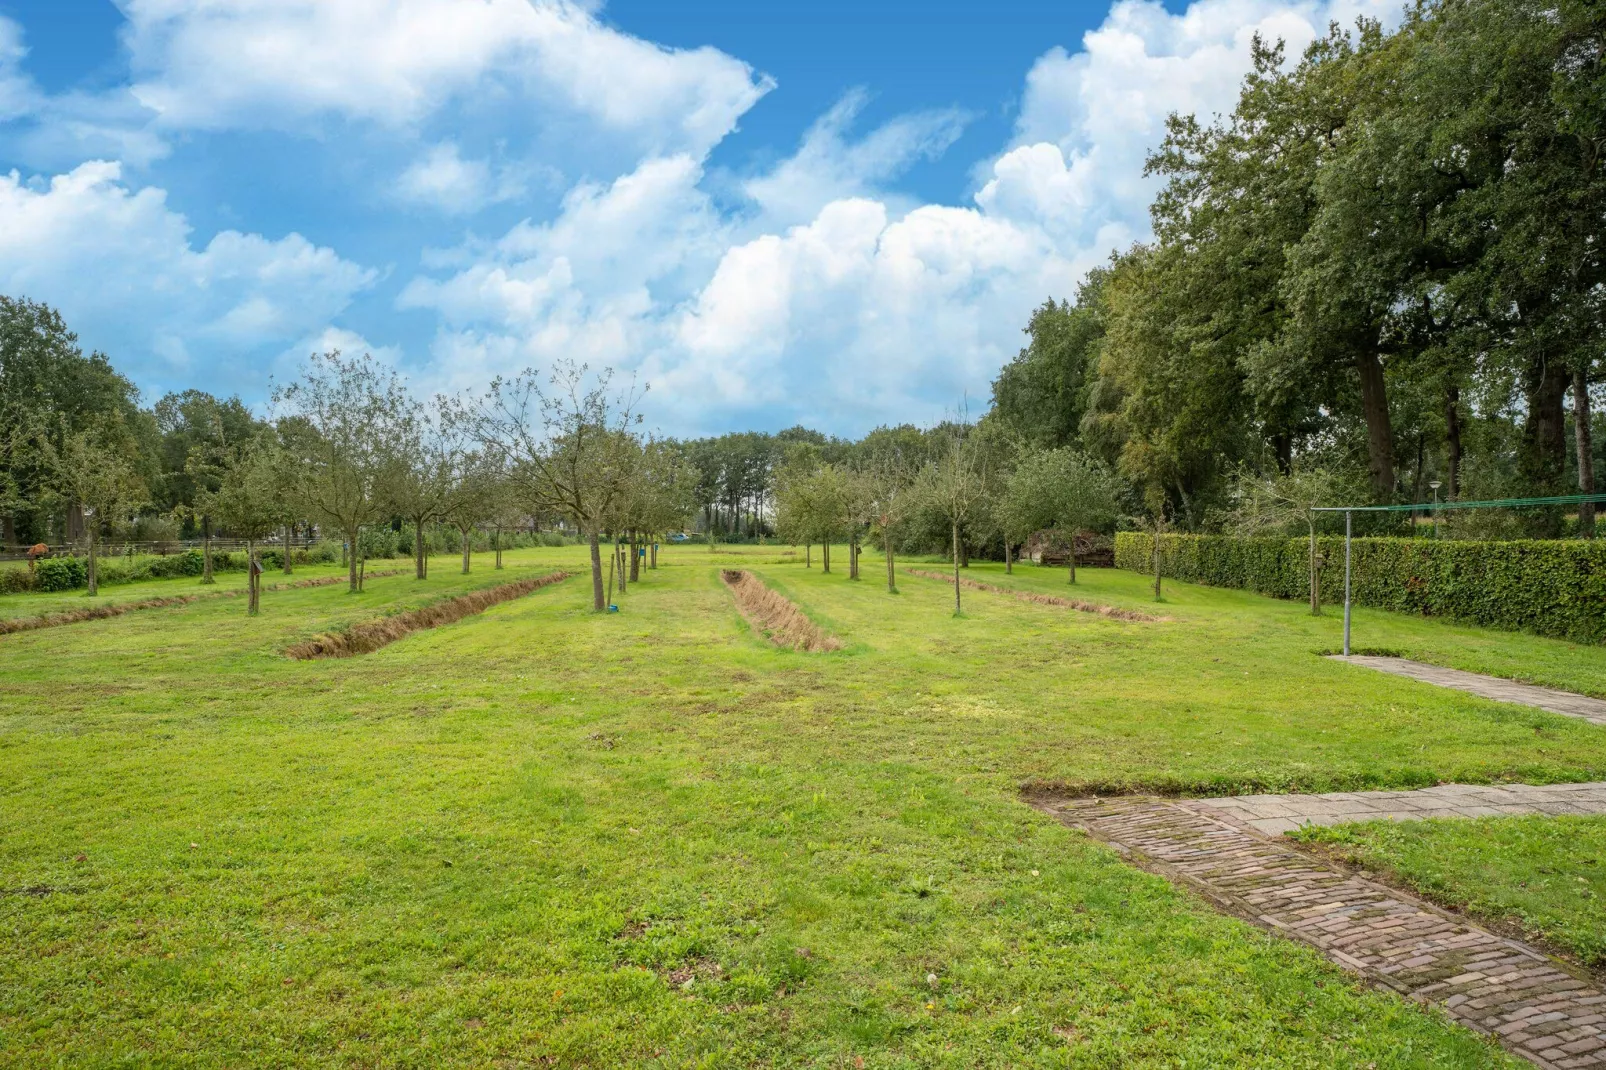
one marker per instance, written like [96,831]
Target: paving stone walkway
[1274,814]
[1563,702]
[1535,1006]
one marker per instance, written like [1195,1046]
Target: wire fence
[1434,508]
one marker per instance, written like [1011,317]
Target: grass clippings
[1114,612]
[772,613]
[369,636]
[78,616]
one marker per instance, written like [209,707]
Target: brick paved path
[1538,1009]
[1273,814]
[1563,702]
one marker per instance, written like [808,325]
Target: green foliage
[188,563]
[61,573]
[1057,489]
[379,542]
[1041,395]
[17,580]
[1546,587]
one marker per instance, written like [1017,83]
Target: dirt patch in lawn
[1113,612]
[774,614]
[78,616]
[369,636]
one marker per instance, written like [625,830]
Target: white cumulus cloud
[442,179]
[122,268]
[217,64]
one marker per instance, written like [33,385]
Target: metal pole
[1347,518]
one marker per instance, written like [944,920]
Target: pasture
[540,836]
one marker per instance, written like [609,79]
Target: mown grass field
[542,837]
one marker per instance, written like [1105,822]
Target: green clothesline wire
[1502,503]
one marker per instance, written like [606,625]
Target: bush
[188,563]
[61,574]
[1549,587]
[17,580]
[320,553]
[377,542]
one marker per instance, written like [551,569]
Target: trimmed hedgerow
[1549,587]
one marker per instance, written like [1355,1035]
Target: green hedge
[1549,587]
[72,573]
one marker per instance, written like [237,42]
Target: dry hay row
[1113,612]
[369,636]
[78,616]
[774,614]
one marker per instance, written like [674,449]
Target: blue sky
[828,212]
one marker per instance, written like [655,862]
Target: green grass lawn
[545,837]
[1543,875]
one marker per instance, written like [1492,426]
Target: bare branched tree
[571,446]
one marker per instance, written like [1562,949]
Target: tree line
[347,449]
[1385,265]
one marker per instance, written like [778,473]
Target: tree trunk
[468,547]
[349,552]
[853,557]
[825,556]
[635,557]
[1158,528]
[206,551]
[892,575]
[1072,557]
[91,579]
[1379,431]
[1543,458]
[420,570]
[808,555]
[253,581]
[957,605]
[1544,436]
[1452,441]
[1583,435]
[655,553]
[1009,560]
[499,546]
[964,554]
[597,603]
[1315,574]
[289,566]
[619,560]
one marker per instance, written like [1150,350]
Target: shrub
[17,580]
[377,542]
[61,573]
[188,563]
[320,553]
[1549,587]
